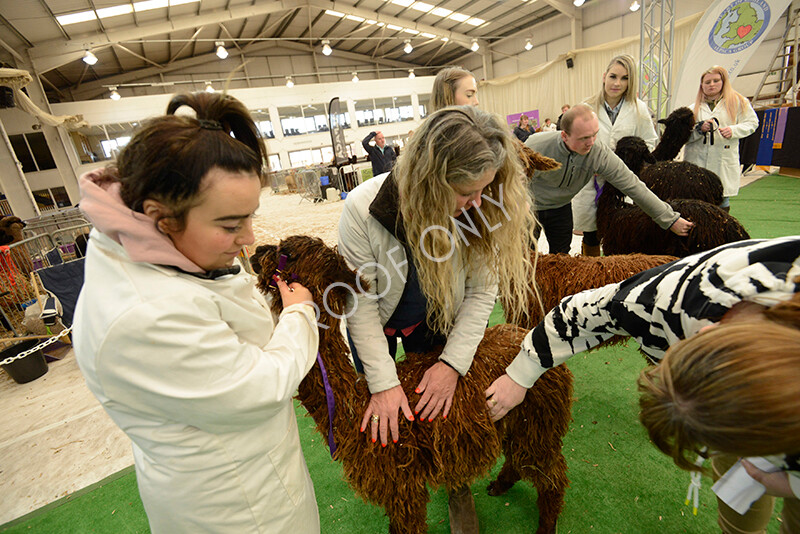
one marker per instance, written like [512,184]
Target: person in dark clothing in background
[381,156]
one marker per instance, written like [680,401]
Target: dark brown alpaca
[561,275]
[624,228]
[447,453]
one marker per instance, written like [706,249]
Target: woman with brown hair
[734,389]
[174,339]
[454,86]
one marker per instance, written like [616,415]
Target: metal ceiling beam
[455,37]
[54,54]
[564,7]
[96,88]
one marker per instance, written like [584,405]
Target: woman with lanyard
[724,116]
[620,114]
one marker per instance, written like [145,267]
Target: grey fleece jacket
[554,189]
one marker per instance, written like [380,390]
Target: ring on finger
[375,418]
[493,402]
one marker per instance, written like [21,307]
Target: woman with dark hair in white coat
[176,341]
[724,116]
[620,114]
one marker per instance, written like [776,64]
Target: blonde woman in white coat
[620,114]
[724,116]
[176,342]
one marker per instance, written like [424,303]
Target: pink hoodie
[137,233]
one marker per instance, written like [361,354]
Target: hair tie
[207,124]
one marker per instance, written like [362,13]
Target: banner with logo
[727,35]
[337,133]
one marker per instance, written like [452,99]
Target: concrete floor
[56,439]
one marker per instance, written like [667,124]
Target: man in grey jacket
[581,160]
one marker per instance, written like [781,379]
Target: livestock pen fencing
[50,240]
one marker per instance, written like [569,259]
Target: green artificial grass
[619,482]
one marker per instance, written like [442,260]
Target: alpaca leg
[461,509]
[409,512]
[551,486]
[549,502]
[508,477]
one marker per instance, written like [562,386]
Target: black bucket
[28,368]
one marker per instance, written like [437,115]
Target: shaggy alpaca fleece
[561,275]
[625,228]
[532,161]
[450,452]
[669,179]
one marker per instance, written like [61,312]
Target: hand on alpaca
[293,294]
[384,405]
[503,395]
[437,388]
[777,483]
[681,227]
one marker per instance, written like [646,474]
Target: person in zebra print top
[658,308]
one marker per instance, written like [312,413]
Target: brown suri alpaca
[448,453]
[561,275]
[11,229]
[532,161]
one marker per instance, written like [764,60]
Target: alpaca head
[634,153]
[310,262]
[678,126]
[12,226]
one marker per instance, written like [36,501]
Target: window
[265,127]
[300,158]
[424,104]
[51,199]
[274,162]
[32,152]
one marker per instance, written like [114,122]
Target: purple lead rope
[331,405]
[598,190]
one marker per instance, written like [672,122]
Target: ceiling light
[578,3]
[635,6]
[408,48]
[475,21]
[89,58]
[441,12]
[334,13]
[209,87]
[528,44]
[411,74]
[114,94]
[459,17]
[421,6]
[475,46]
[289,82]
[355,77]
[221,52]
[326,47]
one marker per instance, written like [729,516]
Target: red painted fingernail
[444,417]
[394,441]
[374,440]
[362,429]
[383,444]
[412,418]
[416,411]
[416,390]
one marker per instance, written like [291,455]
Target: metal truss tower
[655,52]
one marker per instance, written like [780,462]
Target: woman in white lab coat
[620,114]
[723,117]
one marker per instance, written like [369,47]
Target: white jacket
[381,260]
[196,373]
[723,156]
[632,120]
